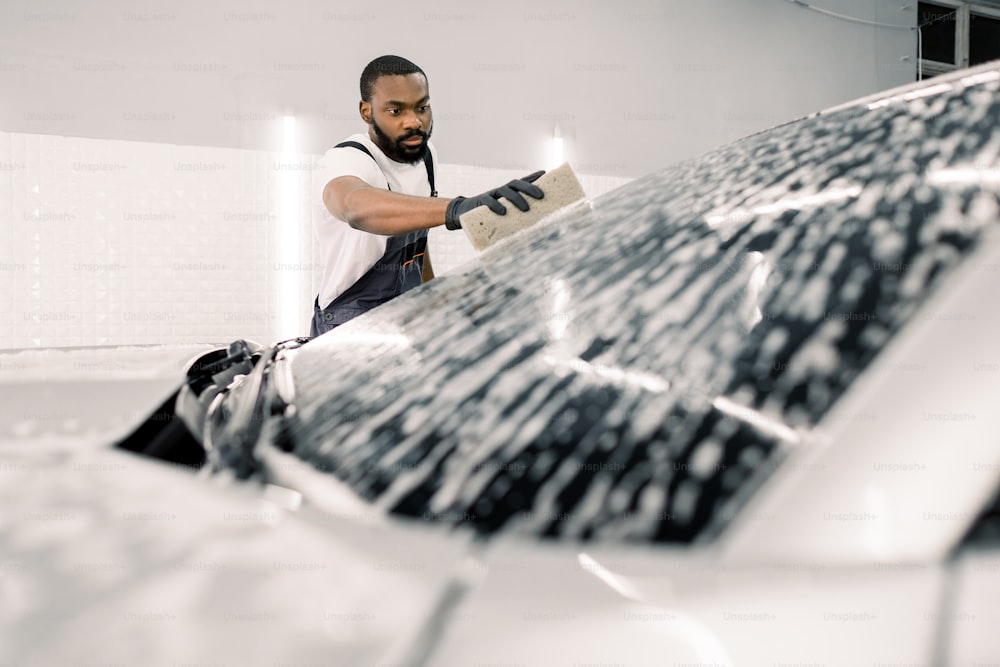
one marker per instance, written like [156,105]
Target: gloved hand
[512,192]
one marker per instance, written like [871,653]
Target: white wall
[156,216]
[634,84]
[109,242]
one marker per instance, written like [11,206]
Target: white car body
[857,549]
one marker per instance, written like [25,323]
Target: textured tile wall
[108,242]
[118,243]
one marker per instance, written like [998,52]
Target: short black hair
[385,66]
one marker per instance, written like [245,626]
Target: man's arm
[380,211]
[389,213]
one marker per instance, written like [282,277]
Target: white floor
[89,396]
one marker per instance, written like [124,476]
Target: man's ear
[365,109]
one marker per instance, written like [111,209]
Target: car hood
[647,606]
[109,558]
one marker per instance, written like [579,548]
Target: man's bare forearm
[383,212]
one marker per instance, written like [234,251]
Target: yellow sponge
[484,227]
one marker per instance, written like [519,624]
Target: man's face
[399,116]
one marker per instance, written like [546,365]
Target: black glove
[511,192]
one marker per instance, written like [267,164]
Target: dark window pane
[937,27]
[984,39]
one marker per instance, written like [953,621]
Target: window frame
[963,26]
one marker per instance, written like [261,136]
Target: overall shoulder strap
[355,144]
[429,164]
[428,161]
[363,149]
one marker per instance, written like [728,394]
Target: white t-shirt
[348,253]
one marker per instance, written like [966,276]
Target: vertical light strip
[557,149]
[289,261]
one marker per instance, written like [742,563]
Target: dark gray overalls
[397,271]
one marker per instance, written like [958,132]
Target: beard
[396,150]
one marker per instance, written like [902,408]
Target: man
[378,200]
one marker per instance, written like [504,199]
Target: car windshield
[626,371]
